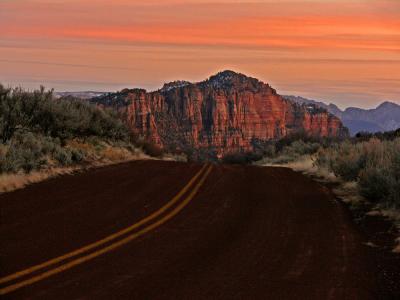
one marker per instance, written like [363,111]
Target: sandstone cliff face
[222,114]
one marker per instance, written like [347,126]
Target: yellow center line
[106,239]
[112,246]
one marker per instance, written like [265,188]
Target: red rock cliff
[222,114]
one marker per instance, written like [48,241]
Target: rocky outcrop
[385,117]
[223,114]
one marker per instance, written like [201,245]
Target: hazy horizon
[344,52]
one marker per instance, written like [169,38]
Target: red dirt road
[242,233]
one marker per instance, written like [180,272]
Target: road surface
[168,230]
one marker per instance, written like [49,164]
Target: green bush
[63,156]
[299,148]
[64,118]
[344,160]
[26,152]
[37,129]
[347,168]
[288,151]
[77,155]
[375,183]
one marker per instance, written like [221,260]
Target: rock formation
[223,114]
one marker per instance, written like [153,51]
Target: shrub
[77,155]
[288,151]
[344,160]
[28,151]
[38,129]
[25,152]
[299,148]
[64,118]
[375,184]
[63,156]
[374,164]
[347,167]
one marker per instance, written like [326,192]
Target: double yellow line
[110,240]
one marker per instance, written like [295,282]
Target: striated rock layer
[223,114]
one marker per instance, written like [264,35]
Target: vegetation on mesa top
[38,130]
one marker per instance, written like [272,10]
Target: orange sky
[347,52]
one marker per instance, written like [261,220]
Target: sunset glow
[347,52]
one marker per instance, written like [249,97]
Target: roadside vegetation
[374,165]
[366,168]
[288,149]
[371,161]
[39,132]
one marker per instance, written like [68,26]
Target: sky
[345,52]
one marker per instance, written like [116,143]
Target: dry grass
[109,155]
[305,164]
[79,145]
[174,157]
[346,191]
[11,182]
[113,154]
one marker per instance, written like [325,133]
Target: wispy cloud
[47,63]
[303,44]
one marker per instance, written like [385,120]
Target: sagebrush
[38,130]
[373,164]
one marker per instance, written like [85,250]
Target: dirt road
[167,230]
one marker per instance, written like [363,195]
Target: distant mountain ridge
[81,95]
[385,117]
